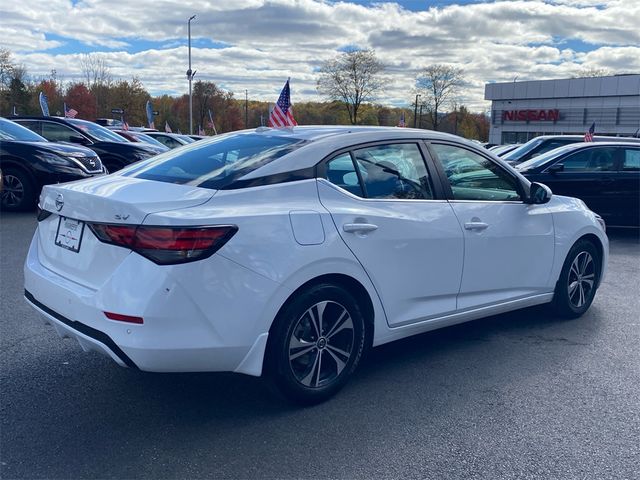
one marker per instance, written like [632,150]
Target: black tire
[296,352]
[579,279]
[18,191]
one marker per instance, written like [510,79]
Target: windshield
[186,138]
[524,149]
[147,139]
[97,131]
[214,163]
[545,157]
[12,131]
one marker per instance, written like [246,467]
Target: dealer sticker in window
[69,234]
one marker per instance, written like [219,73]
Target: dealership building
[521,111]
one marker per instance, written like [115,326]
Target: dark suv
[29,161]
[545,143]
[115,151]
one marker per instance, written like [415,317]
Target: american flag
[69,112]
[588,137]
[282,115]
[167,128]
[401,122]
[201,131]
[125,125]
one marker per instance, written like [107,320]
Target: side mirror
[78,139]
[539,194]
[558,167]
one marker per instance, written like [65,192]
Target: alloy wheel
[581,279]
[12,191]
[321,344]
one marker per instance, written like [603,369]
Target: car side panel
[265,242]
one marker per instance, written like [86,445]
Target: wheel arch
[350,284]
[595,240]
[13,162]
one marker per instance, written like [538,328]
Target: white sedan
[291,252]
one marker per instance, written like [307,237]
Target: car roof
[324,140]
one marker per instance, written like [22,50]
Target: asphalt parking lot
[519,395]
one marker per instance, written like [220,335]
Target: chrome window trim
[356,197]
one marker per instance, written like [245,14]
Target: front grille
[90,164]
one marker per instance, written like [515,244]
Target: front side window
[473,177]
[393,171]
[590,160]
[631,159]
[56,132]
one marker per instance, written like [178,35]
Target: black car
[115,151]
[28,161]
[545,143]
[605,175]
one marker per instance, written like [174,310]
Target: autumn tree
[352,77]
[80,98]
[438,86]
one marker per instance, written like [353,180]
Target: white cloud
[270,40]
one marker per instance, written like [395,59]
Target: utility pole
[246,109]
[190,75]
[420,117]
[415,110]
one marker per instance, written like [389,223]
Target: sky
[255,45]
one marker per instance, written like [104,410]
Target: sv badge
[122,217]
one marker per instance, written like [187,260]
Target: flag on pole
[149,109]
[282,114]
[588,137]
[125,125]
[201,131]
[69,112]
[401,122]
[211,124]
[167,128]
[44,105]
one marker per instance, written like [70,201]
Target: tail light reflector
[166,245]
[124,318]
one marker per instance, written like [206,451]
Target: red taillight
[166,245]
[124,318]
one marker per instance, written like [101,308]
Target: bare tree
[352,77]
[438,86]
[592,72]
[95,70]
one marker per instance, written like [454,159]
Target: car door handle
[475,225]
[359,227]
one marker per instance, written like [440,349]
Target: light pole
[190,75]
[415,111]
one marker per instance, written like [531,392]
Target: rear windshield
[214,163]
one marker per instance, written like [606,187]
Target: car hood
[59,148]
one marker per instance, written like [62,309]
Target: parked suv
[28,161]
[539,145]
[115,151]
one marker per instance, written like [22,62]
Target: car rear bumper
[187,327]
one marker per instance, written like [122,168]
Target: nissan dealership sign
[531,115]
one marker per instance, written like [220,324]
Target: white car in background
[291,252]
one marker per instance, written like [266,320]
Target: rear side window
[590,160]
[393,171]
[631,159]
[341,172]
[215,163]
